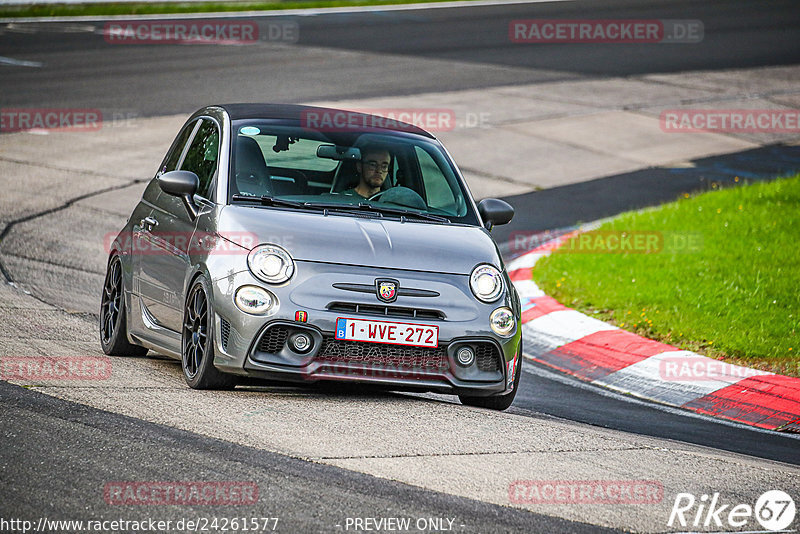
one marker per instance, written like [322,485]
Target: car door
[171,231]
[143,225]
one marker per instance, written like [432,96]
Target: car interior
[254,176]
[297,169]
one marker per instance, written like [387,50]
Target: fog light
[502,321]
[465,356]
[300,342]
[253,299]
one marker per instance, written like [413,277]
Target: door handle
[148,222]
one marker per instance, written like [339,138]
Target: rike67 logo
[774,510]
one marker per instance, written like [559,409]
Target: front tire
[498,402]
[197,344]
[113,324]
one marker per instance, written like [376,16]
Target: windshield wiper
[363,206]
[267,200]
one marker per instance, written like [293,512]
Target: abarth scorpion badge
[386,290]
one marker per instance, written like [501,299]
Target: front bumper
[257,345]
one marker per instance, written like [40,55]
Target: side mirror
[495,211]
[182,184]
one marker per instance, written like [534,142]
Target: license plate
[416,335]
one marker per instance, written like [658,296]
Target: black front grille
[274,339]
[487,357]
[385,355]
[225,332]
[386,311]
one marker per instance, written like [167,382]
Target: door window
[174,156]
[202,156]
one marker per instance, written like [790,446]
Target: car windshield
[388,175]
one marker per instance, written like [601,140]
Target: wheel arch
[127,281]
[196,272]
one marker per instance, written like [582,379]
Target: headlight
[502,321]
[486,283]
[270,263]
[253,299]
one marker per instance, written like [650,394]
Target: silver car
[295,243]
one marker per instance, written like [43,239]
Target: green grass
[150,8]
[735,295]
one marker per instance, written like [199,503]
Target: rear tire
[197,343]
[497,402]
[113,322]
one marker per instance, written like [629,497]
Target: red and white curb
[602,354]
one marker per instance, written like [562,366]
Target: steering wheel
[402,196]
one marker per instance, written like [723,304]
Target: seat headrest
[250,158]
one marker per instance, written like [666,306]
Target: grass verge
[154,8]
[717,273]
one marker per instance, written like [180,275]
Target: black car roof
[295,112]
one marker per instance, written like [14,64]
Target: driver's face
[374,167]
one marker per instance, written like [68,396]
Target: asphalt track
[410,52]
[84,448]
[388,53]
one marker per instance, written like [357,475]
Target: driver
[372,171]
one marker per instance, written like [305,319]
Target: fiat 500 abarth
[300,244]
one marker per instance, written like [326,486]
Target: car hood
[351,240]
